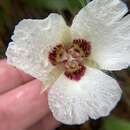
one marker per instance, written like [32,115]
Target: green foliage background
[12,11]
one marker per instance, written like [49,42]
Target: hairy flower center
[71,58]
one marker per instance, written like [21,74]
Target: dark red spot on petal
[84,45]
[76,74]
[56,54]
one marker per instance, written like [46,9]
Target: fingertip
[47,123]
[25,105]
[10,77]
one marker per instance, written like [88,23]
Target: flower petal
[97,13]
[115,54]
[94,96]
[32,40]
[102,24]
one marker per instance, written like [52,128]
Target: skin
[22,106]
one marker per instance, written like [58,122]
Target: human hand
[22,106]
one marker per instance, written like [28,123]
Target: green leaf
[71,5]
[83,2]
[114,123]
[74,6]
[49,4]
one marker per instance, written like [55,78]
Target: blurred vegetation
[113,123]
[12,11]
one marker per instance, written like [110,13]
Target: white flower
[47,48]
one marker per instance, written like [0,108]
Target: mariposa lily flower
[70,60]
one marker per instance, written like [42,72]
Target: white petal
[97,14]
[113,53]
[32,40]
[107,11]
[102,24]
[94,96]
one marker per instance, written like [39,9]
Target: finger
[47,123]
[10,77]
[23,106]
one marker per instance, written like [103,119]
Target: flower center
[71,58]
